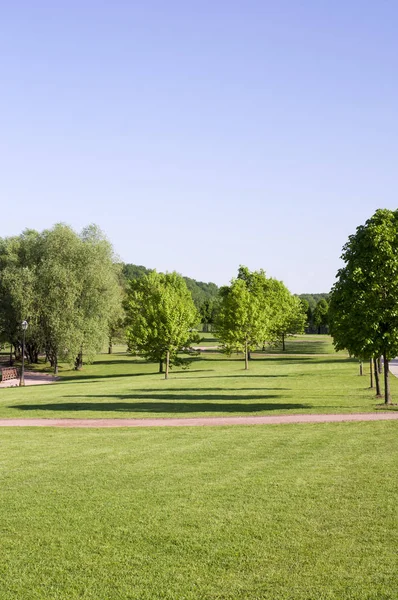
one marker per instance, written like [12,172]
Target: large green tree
[65,285]
[288,316]
[161,317]
[364,299]
[243,317]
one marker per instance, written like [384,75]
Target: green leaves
[255,309]
[160,316]
[64,284]
[364,300]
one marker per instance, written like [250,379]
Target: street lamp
[24,326]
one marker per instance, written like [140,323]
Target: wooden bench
[7,373]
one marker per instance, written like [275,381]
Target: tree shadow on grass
[128,360]
[237,376]
[166,393]
[298,359]
[81,378]
[193,396]
[163,407]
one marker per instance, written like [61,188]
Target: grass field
[299,344]
[290,512]
[119,385]
[298,512]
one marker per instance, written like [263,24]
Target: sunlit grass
[292,512]
[120,385]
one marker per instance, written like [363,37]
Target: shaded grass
[290,512]
[305,344]
[299,344]
[122,386]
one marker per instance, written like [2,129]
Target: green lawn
[288,512]
[299,344]
[119,385]
[305,344]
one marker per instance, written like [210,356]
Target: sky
[201,135]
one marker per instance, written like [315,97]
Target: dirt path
[200,421]
[31,378]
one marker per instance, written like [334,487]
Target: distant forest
[313,299]
[201,291]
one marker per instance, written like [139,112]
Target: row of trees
[252,311]
[76,295]
[363,313]
[66,285]
[255,310]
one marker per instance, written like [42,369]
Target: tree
[243,318]
[289,316]
[64,285]
[161,316]
[320,314]
[18,261]
[364,300]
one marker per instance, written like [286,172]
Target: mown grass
[120,385]
[292,512]
[298,344]
[305,344]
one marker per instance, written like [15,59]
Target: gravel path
[31,378]
[200,421]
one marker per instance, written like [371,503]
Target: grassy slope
[287,512]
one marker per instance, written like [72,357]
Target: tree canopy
[65,285]
[161,316]
[255,309]
[364,299]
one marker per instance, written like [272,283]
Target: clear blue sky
[201,135]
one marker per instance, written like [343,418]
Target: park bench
[7,373]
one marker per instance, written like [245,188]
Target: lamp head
[24,325]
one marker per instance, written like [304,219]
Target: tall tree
[64,285]
[243,317]
[320,315]
[364,300]
[161,316]
[288,315]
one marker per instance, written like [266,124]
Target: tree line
[76,296]
[252,311]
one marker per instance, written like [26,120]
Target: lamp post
[24,326]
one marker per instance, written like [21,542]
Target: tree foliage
[161,316]
[255,310]
[203,294]
[320,315]
[364,299]
[65,285]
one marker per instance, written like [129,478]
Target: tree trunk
[387,394]
[283,343]
[379,365]
[377,378]
[246,357]
[371,372]
[11,357]
[79,361]
[361,368]
[249,355]
[55,367]
[161,365]
[110,347]
[166,375]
